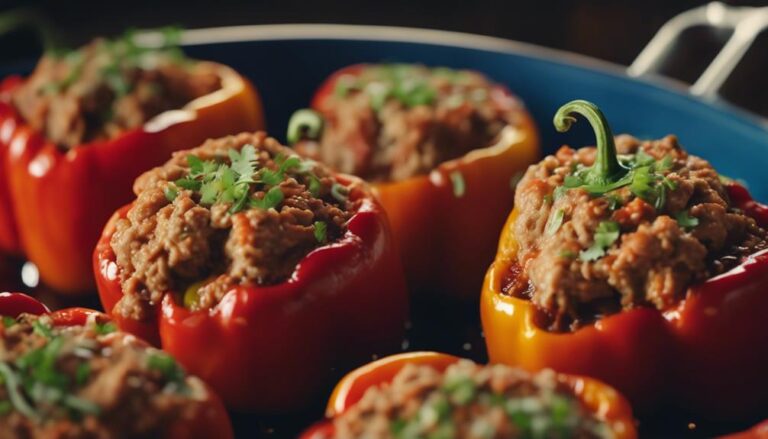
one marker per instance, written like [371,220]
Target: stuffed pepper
[77,132]
[442,149]
[636,263]
[256,269]
[70,374]
[431,395]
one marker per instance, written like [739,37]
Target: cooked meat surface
[642,244]
[240,210]
[469,401]
[107,87]
[88,382]
[394,121]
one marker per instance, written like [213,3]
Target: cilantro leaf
[606,234]
[8,321]
[104,328]
[271,199]
[170,193]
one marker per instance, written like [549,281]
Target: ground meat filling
[396,121]
[472,402]
[240,210]
[642,244]
[108,87]
[88,382]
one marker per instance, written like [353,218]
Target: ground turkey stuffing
[108,87]
[88,382]
[469,401]
[240,210]
[641,245]
[394,121]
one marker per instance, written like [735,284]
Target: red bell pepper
[62,199]
[430,222]
[606,403]
[268,348]
[705,355]
[213,420]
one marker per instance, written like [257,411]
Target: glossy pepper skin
[213,422]
[430,222]
[268,348]
[62,199]
[9,235]
[599,398]
[705,355]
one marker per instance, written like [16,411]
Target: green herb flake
[42,329]
[271,199]
[8,321]
[459,185]
[339,192]
[606,234]
[82,373]
[686,221]
[554,222]
[104,328]
[460,389]
[314,186]
[321,231]
[166,365]
[567,254]
[170,193]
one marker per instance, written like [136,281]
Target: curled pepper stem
[304,124]
[606,168]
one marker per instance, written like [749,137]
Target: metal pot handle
[746,23]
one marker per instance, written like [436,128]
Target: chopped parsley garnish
[685,220]
[43,329]
[82,373]
[104,328]
[304,124]
[339,192]
[119,56]
[8,321]
[321,231]
[234,183]
[406,84]
[554,222]
[167,366]
[461,389]
[606,234]
[459,185]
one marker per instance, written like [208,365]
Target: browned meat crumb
[396,121]
[90,382]
[469,401]
[658,252]
[165,246]
[106,88]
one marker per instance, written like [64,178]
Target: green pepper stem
[606,168]
[304,124]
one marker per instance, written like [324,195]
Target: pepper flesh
[213,422]
[62,199]
[701,356]
[600,399]
[344,302]
[446,240]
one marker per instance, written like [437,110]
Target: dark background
[611,30]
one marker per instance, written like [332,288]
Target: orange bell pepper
[62,199]
[704,355]
[268,348]
[213,420]
[607,404]
[446,240]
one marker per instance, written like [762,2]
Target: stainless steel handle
[746,23]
